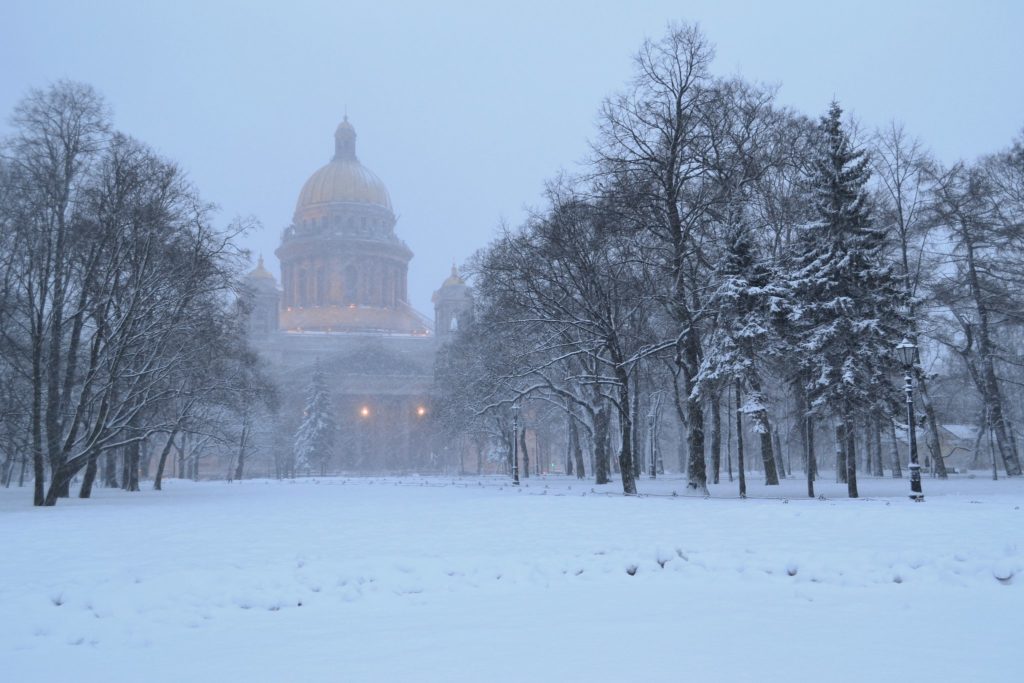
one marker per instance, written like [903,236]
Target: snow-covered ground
[441,579]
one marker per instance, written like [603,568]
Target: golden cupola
[343,269]
[343,179]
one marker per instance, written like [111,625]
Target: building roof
[344,179]
[261,274]
[453,279]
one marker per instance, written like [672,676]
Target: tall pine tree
[314,442]
[745,302]
[847,305]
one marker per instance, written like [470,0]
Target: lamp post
[515,444]
[907,353]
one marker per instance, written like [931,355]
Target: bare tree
[905,174]
[688,144]
[115,257]
[982,282]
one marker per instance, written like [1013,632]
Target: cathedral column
[390,287]
[334,286]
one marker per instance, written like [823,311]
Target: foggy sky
[465,110]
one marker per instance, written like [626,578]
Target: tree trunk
[62,484]
[762,426]
[851,456]
[88,479]
[716,437]
[987,383]
[131,459]
[739,441]
[841,453]
[897,469]
[110,470]
[728,435]
[8,472]
[243,448]
[634,412]
[998,423]
[146,455]
[576,448]
[38,468]
[162,462]
[780,462]
[525,453]
[810,462]
[568,452]
[771,474]
[932,428]
[878,446]
[601,464]
[627,457]
[681,452]
[697,476]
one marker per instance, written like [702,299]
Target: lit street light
[907,354]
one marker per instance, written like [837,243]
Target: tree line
[121,342]
[722,256]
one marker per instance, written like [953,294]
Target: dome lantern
[261,276]
[345,142]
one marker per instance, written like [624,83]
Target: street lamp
[515,444]
[906,353]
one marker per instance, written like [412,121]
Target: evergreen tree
[314,442]
[846,301]
[745,304]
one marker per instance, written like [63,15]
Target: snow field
[471,579]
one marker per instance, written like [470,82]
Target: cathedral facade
[343,304]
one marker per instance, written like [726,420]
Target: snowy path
[472,580]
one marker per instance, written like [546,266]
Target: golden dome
[344,179]
[261,273]
[453,279]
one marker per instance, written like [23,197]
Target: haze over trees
[719,288]
[118,323]
[314,442]
[736,258]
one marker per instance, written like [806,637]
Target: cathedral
[343,304]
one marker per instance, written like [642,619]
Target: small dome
[260,272]
[453,287]
[454,279]
[344,179]
[260,276]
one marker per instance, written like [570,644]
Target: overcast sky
[465,108]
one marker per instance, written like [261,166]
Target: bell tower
[453,305]
[263,319]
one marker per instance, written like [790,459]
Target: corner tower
[453,305]
[264,299]
[343,269]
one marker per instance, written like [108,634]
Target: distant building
[344,300]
